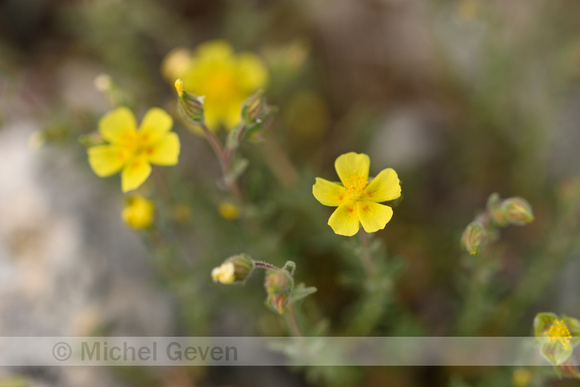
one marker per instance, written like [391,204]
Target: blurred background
[462,98]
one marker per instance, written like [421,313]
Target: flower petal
[118,126]
[214,50]
[352,164]
[135,173]
[344,220]
[384,187]
[106,160]
[252,73]
[164,151]
[373,216]
[232,114]
[328,193]
[154,126]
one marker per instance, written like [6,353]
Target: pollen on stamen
[559,332]
[355,186]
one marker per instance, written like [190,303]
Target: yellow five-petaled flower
[224,78]
[358,199]
[131,150]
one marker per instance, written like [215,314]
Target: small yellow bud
[234,269]
[138,212]
[179,87]
[229,211]
[224,273]
[521,377]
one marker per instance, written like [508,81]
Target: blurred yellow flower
[224,78]
[521,377]
[229,211]
[357,199]
[224,273]
[138,212]
[131,150]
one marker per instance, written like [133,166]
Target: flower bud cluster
[499,213]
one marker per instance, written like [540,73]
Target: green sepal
[542,323]
[301,291]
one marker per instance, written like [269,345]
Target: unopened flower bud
[474,237]
[254,108]
[229,211]
[234,269]
[521,377]
[189,106]
[279,302]
[514,210]
[278,284]
[138,212]
[517,211]
[278,281]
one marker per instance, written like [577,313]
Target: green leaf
[301,291]
[238,168]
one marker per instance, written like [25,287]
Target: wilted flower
[557,337]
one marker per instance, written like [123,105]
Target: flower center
[356,186]
[220,86]
[559,332]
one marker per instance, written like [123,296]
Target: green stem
[293,321]
[225,157]
[266,265]
[365,256]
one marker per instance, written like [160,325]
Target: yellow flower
[521,377]
[224,273]
[358,199]
[225,80]
[131,150]
[138,212]
[229,211]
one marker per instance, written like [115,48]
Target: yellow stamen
[355,186]
[559,332]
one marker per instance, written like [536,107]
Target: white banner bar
[271,351]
